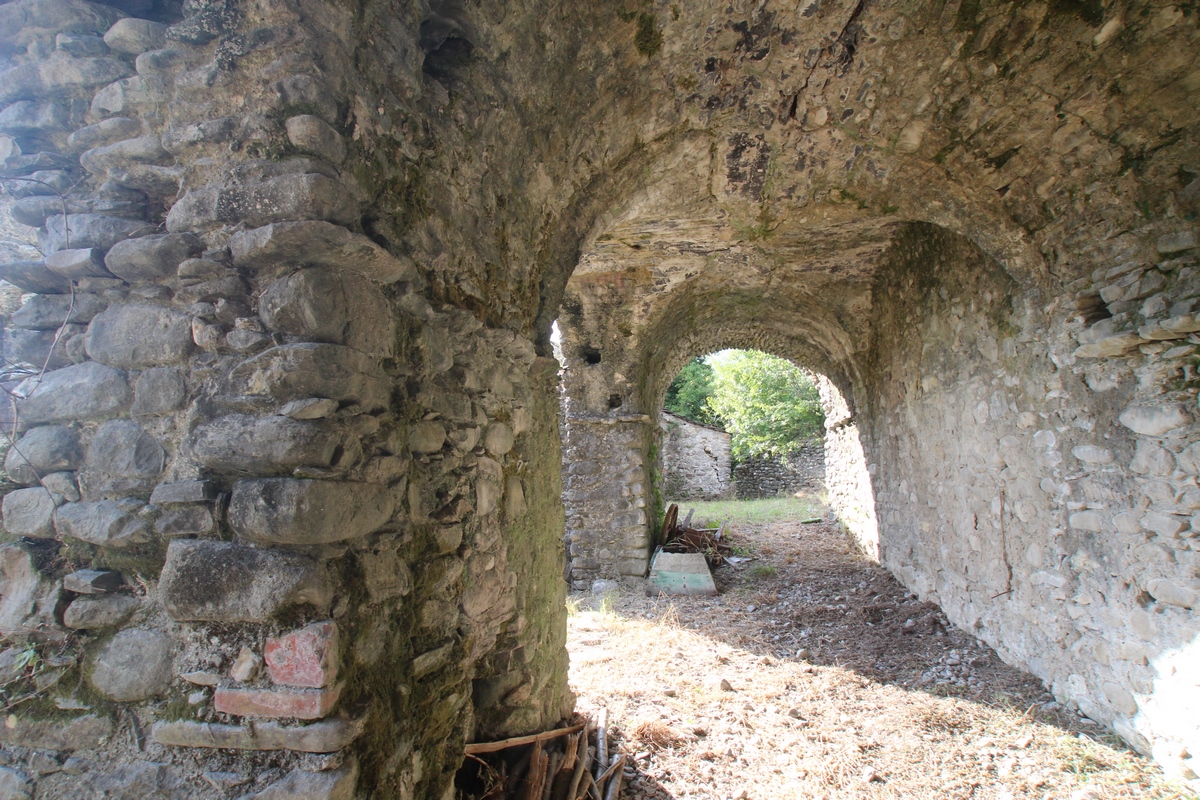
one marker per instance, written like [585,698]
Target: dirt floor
[815,674]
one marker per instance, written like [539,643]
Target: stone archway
[286,358]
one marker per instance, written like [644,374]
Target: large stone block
[328,306]
[104,132]
[299,371]
[132,336]
[152,258]
[79,392]
[27,598]
[319,244]
[326,785]
[41,348]
[308,196]
[30,512]
[76,264]
[290,511]
[104,523]
[327,736]
[134,665]
[29,118]
[94,613]
[122,459]
[25,21]
[263,445]
[135,36]
[78,231]
[33,276]
[1155,420]
[129,96]
[50,448]
[40,79]
[113,201]
[79,733]
[314,135]
[123,155]
[49,312]
[227,582]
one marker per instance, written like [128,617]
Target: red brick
[299,703]
[307,657]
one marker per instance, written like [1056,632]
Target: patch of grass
[711,513]
[762,571]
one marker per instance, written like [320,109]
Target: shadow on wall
[847,474]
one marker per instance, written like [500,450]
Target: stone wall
[1057,474]
[696,459]
[273,495]
[608,530]
[773,476]
[282,377]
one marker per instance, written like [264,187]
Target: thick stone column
[275,502]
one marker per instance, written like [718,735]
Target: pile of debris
[682,538]
[572,763]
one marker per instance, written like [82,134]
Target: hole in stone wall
[590,355]
[614,401]
[444,39]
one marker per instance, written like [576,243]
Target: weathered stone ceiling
[780,148]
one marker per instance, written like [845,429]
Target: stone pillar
[605,477]
[271,494]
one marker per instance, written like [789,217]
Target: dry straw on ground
[887,700]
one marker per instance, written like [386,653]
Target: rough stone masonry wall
[772,476]
[273,503]
[696,459]
[1041,488]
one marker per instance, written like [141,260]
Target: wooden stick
[584,786]
[531,787]
[517,741]
[608,773]
[580,768]
[566,769]
[614,786]
[519,770]
[602,741]
[551,771]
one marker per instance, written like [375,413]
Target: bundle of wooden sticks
[572,763]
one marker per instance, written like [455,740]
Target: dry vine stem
[573,773]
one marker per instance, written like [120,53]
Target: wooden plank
[491,747]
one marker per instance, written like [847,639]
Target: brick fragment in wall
[276,703]
[308,657]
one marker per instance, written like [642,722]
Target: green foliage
[768,405]
[688,394]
